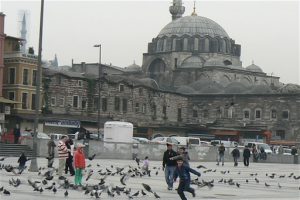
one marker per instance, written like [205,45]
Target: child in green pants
[79,163]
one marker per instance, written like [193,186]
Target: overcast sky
[268,31]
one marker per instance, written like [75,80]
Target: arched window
[206,45]
[164,45]
[185,44]
[273,114]
[196,44]
[174,45]
[246,114]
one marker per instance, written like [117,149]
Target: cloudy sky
[267,30]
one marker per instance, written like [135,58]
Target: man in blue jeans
[169,165]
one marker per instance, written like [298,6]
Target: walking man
[62,154]
[246,155]
[235,154]
[17,134]
[183,171]
[51,145]
[221,151]
[169,165]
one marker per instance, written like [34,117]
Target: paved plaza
[290,187]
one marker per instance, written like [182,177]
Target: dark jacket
[166,159]
[183,173]
[17,132]
[221,150]
[246,153]
[235,153]
[22,160]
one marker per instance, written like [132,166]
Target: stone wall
[154,152]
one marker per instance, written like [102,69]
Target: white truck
[116,131]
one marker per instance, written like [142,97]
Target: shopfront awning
[3,100]
[225,132]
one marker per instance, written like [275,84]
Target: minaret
[177,9]
[23,34]
[55,62]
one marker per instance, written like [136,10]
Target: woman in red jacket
[79,163]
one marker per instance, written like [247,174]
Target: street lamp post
[33,164]
[99,88]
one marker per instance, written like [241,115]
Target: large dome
[193,25]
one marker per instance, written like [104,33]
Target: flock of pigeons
[45,180]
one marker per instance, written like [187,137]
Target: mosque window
[175,62]
[179,118]
[258,114]
[117,104]
[121,87]
[164,111]
[195,113]
[104,104]
[53,101]
[273,114]
[140,91]
[285,114]
[12,76]
[75,101]
[246,114]
[124,106]
[137,107]
[144,108]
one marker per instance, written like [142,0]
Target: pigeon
[247,181]
[279,185]
[89,175]
[54,190]
[156,173]
[66,193]
[147,187]
[1,189]
[238,185]
[291,175]
[41,190]
[124,178]
[296,177]
[257,181]
[156,196]
[220,181]
[2,159]
[267,185]
[143,193]
[92,157]
[136,194]
[281,176]
[6,192]
[201,166]
[44,182]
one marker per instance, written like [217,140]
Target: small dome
[193,25]
[214,62]
[254,68]
[185,90]
[289,88]
[133,67]
[235,88]
[192,62]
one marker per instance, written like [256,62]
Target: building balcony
[19,55]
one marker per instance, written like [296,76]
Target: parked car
[225,143]
[29,135]
[184,141]
[287,152]
[141,140]
[164,140]
[55,136]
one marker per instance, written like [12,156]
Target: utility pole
[99,89]
[33,164]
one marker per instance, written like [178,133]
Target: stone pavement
[290,187]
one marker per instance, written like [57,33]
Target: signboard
[2,117]
[64,123]
[7,110]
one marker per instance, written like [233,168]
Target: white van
[259,145]
[225,143]
[192,141]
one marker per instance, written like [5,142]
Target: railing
[19,54]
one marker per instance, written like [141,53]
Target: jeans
[235,159]
[184,186]
[61,166]
[246,161]
[78,176]
[221,159]
[69,165]
[169,172]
